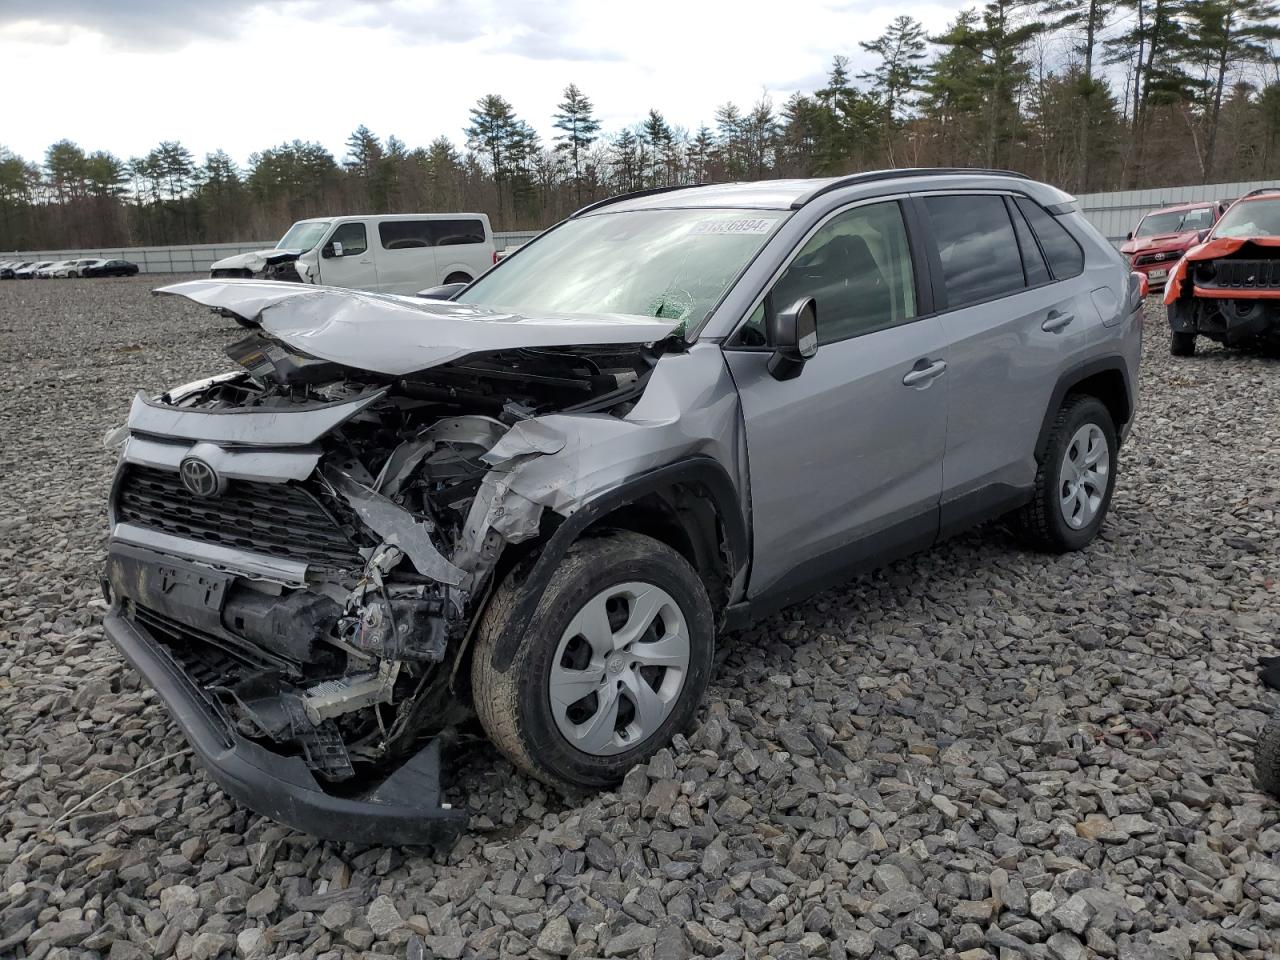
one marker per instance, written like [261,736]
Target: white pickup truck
[390,253]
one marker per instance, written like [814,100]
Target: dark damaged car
[538,502]
[1228,287]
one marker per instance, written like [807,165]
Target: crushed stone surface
[978,752]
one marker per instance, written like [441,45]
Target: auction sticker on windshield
[739,226]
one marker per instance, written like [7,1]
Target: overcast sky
[244,75]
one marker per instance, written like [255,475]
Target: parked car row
[50,269]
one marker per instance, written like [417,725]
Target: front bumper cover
[403,809]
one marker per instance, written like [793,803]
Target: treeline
[1087,94]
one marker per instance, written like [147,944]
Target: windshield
[1251,218]
[1175,221]
[303,235]
[673,264]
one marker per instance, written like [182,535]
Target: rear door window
[977,246]
[451,233]
[404,234]
[1065,257]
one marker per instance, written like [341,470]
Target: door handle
[918,375]
[1057,321]
[366,261]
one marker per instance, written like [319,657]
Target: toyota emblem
[200,478]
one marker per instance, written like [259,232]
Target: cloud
[134,24]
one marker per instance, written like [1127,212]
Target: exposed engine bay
[1228,289]
[348,656]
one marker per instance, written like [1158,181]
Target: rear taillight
[495,255]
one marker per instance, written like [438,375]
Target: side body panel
[356,271]
[404,271]
[1002,370]
[844,451]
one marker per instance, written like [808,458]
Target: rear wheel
[613,663]
[457,278]
[1182,344]
[1075,480]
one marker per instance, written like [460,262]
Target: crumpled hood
[1212,249]
[395,335]
[255,261]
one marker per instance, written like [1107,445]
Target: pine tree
[575,119]
[656,142]
[1087,20]
[1225,33]
[901,49]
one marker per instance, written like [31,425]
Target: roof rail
[876,175]
[1262,190]
[631,196]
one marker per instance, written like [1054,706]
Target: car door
[1008,322]
[845,459]
[406,257]
[346,260]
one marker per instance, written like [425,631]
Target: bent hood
[255,261]
[396,336]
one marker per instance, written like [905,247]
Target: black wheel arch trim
[1072,378]
[701,471]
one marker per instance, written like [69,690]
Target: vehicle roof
[788,194]
[1268,195]
[391,216]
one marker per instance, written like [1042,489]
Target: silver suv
[538,500]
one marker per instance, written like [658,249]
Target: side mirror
[1129,235]
[331,249]
[1202,236]
[793,334]
[443,292]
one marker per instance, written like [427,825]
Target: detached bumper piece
[405,808]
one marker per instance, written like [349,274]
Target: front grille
[282,520]
[1150,258]
[1246,274]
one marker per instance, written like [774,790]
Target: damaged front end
[275,264]
[299,552]
[1228,289]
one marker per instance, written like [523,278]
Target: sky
[244,74]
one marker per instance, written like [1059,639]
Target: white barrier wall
[195,258]
[1114,214]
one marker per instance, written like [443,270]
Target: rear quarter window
[1066,258]
[452,233]
[404,234]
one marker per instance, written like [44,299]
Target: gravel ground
[979,752]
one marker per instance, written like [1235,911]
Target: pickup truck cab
[388,253]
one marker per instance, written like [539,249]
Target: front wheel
[613,663]
[1182,344]
[1076,477]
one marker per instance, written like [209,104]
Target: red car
[1163,236]
[1228,287]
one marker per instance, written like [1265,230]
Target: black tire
[1041,523]
[514,704]
[1266,756]
[1182,344]
[457,278]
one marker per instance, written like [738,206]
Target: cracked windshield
[673,264]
